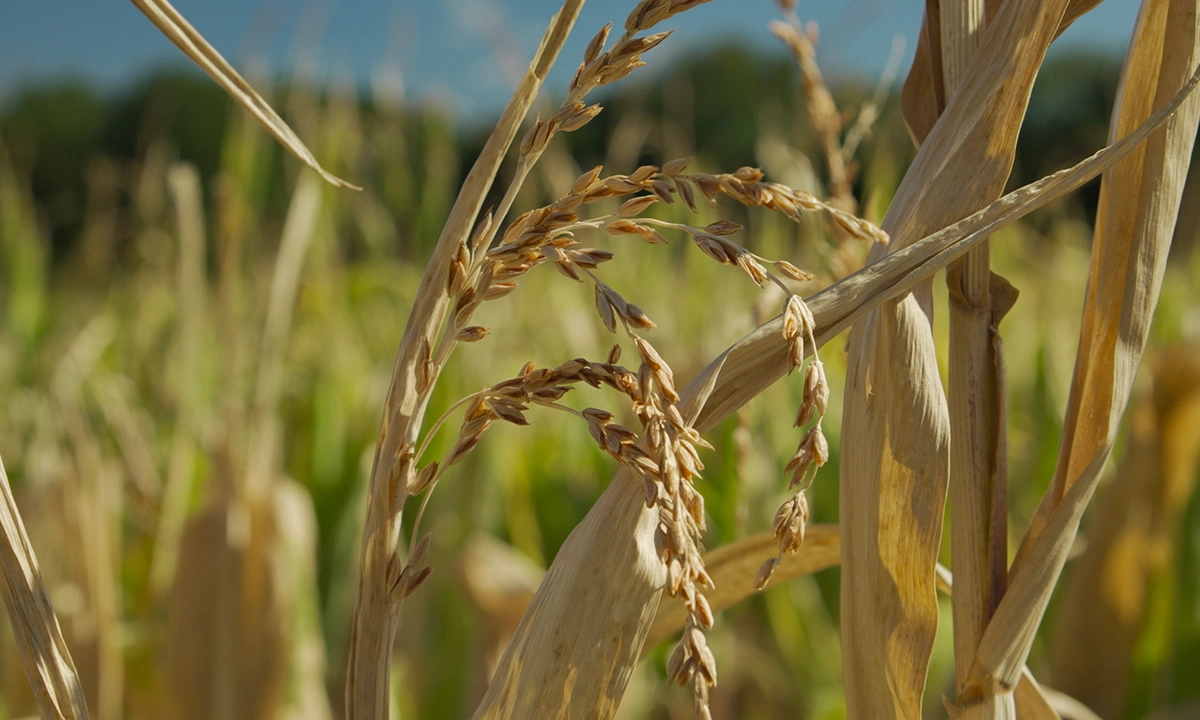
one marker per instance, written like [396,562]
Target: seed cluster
[649,13]
[598,68]
[601,67]
[667,461]
[813,450]
[665,458]
[748,187]
[663,454]
[548,234]
[669,482]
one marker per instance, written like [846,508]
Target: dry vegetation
[155,451]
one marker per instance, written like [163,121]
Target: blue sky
[454,52]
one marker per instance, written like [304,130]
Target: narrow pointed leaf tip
[179,31]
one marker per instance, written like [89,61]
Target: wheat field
[335,430]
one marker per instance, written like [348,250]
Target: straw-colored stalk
[377,610]
[186,194]
[987,678]
[92,510]
[44,653]
[240,565]
[978,468]
[1031,700]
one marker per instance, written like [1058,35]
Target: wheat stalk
[184,184]
[377,609]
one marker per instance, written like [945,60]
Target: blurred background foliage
[139,238]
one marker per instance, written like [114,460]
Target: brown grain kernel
[597,44]
[643,173]
[472,333]
[763,576]
[723,227]
[621,184]
[621,226]
[585,181]
[685,192]
[499,289]
[676,166]
[662,191]
[635,206]
[605,308]
[581,118]
[792,272]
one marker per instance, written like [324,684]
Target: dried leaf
[733,568]
[895,452]
[179,31]
[1139,202]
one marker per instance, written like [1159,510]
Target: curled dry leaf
[895,461]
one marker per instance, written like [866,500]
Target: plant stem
[376,614]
